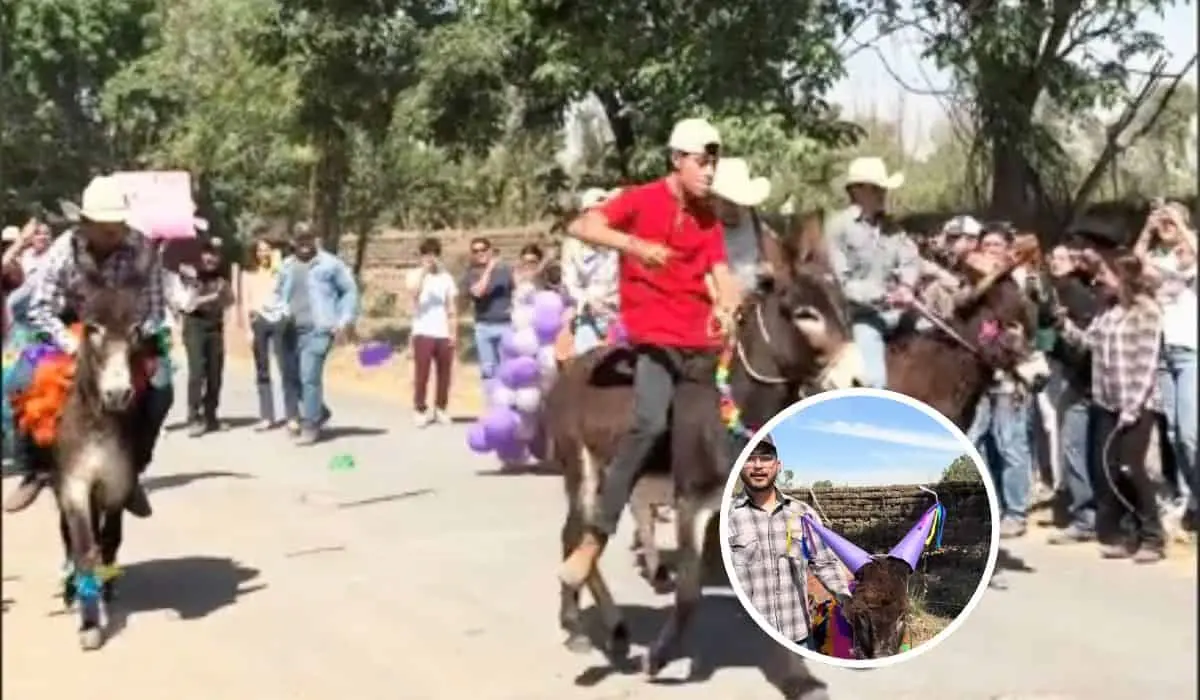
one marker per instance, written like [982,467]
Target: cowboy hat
[732,182]
[11,233]
[872,171]
[104,201]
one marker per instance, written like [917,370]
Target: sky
[869,89]
[865,441]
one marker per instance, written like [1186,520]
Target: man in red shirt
[670,240]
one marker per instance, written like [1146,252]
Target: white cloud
[866,431]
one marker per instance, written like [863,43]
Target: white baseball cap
[694,136]
[963,226]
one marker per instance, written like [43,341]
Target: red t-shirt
[667,306]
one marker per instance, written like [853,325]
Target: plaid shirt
[774,574]
[55,285]
[1124,343]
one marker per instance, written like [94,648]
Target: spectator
[1070,392]
[528,275]
[208,295]
[1124,342]
[489,282]
[737,195]
[434,332]
[321,299]
[1003,420]
[590,278]
[268,335]
[1168,246]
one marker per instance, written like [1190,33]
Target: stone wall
[877,517]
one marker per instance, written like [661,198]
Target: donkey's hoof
[578,643]
[652,663]
[91,639]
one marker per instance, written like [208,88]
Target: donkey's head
[878,609]
[105,374]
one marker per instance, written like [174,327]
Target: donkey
[94,467]
[878,609]
[789,335]
[989,330]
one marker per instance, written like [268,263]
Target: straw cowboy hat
[11,233]
[872,171]
[732,182]
[104,201]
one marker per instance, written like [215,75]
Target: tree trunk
[624,136]
[332,170]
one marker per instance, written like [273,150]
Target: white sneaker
[422,419]
[441,418]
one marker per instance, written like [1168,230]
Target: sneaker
[422,418]
[1071,535]
[581,562]
[1012,528]
[264,425]
[1148,554]
[196,429]
[1114,551]
[293,427]
[441,417]
[307,436]
[138,504]
[326,415]
[25,494]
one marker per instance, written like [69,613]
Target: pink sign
[162,203]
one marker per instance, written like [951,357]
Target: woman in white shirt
[589,275]
[1168,245]
[434,332]
[267,334]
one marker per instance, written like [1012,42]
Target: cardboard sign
[162,203]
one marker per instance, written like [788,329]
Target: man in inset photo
[769,559]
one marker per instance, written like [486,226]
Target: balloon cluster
[509,426]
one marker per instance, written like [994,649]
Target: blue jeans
[487,346]
[1074,419]
[274,339]
[1006,420]
[868,334]
[312,348]
[1177,382]
[589,333]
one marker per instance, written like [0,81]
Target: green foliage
[822,484]
[962,469]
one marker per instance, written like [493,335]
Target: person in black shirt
[207,295]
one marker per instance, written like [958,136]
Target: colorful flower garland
[731,414]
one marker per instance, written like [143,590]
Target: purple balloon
[374,353]
[525,342]
[518,372]
[507,346]
[499,425]
[547,302]
[547,323]
[477,439]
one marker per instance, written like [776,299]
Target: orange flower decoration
[41,404]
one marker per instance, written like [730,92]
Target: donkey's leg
[82,522]
[692,516]
[570,617]
[641,506]
[112,534]
[68,581]
[616,642]
[790,674]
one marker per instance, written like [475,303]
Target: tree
[823,484]
[784,480]
[962,469]
[1008,57]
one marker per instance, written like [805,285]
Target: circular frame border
[980,589]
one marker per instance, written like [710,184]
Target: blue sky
[869,88]
[865,440]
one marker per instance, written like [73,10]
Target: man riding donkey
[875,262]
[672,248]
[101,248]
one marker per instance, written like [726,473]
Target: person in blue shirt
[320,296]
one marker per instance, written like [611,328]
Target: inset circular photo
[858,528]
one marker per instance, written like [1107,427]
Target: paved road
[265,575]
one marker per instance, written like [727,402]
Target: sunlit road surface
[265,575]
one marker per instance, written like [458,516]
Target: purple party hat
[851,554]
[913,545]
